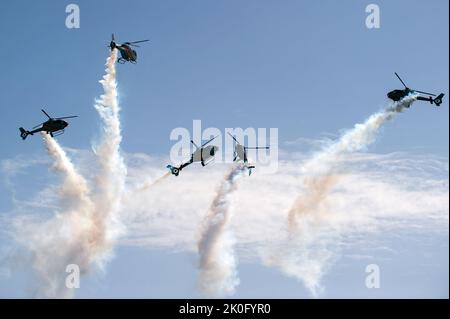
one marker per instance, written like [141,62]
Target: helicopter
[126,52]
[202,154]
[397,95]
[240,153]
[53,126]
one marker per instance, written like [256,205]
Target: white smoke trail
[321,169]
[218,274]
[305,254]
[130,194]
[153,183]
[110,181]
[68,238]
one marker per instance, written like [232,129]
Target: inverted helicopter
[240,153]
[203,154]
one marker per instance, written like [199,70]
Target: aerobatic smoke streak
[306,254]
[110,181]
[320,170]
[148,185]
[69,237]
[316,189]
[218,274]
[130,193]
[74,184]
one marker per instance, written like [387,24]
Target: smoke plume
[321,170]
[70,237]
[218,274]
[306,254]
[148,185]
[111,178]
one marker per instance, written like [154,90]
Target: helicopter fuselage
[127,53]
[203,155]
[51,126]
[397,95]
[54,125]
[240,153]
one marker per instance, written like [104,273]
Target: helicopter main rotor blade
[426,93]
[400,79]
[46,114]
[66,117]
[138,41]
[258,148]
[210,140]
[234,138]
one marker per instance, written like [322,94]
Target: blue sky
[308,68]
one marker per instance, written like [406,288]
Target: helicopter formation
[205,153]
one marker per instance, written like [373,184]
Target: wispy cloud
[375,194]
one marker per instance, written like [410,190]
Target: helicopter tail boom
[437,100]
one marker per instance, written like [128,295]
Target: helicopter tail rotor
[112,44]
[438,100]
[24,133]
[174,170]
